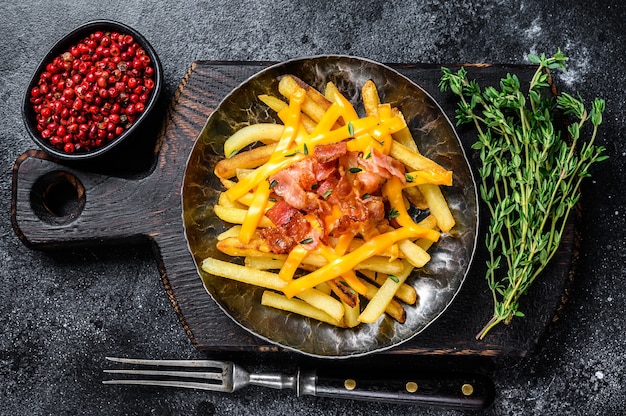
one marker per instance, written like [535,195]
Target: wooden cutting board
[58,205]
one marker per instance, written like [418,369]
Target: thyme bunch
[531,172]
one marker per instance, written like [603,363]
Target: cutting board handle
[56,205]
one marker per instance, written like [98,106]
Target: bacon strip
[330,152]
[384,165]
[291,228]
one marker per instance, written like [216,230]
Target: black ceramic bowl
[62,46]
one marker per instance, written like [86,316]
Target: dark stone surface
[62,312]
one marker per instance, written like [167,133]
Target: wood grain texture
[106,208]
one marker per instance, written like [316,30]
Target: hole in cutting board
[57,197]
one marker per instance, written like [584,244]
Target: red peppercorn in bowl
[92,91]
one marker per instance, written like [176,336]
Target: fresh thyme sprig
[530,172]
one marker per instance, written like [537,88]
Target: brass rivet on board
[411,387]
[349,384]
[467,389]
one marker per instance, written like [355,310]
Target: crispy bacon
[291,228]
[281,213]
[305,172]
[383,165]
[368,183]
[334,177]
[330,152]
[364,181]
[287,184]
[277,240]
[323,171]
[375,208]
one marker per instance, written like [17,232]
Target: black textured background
[62,312]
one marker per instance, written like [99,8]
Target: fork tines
[216,377]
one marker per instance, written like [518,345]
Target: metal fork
[461,391]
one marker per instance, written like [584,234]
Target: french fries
[314,105]
[384,295]
[243,274]
[278,301]
[371,100]
[405,293]
[317,278]
[236,215]
[260,132]
[438,206]
[227,168]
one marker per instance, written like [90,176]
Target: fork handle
[459,391]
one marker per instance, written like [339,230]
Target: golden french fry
[307,122]
[254,248]
[406,293]
[384,255]
[277,105]
[315,104]
[351,314]
[377,305]
[429,222]
[242,274]
[413,253]
[438,206]
[268,261]
[261,132]
[343,291]
[323,287]
[394,309]
[258,248]
[298,306]
[231,232]
[414,160]
[241,173]
[227,183]
[263,262]
[272,102]
[223,201]
[323,302]
[404,135]
[370,97]
[227,168]
[415,197]
[424,243]
[237,215]
[330,91]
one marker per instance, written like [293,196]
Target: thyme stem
[531,172]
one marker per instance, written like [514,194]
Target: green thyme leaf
[350,129]
[394,278]
[355,170]
[308,240]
